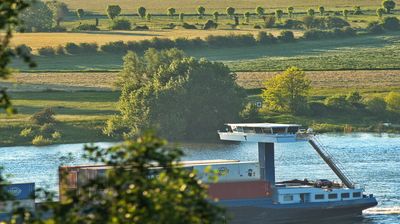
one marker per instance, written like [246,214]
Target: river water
[372,160]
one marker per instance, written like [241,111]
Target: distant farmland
[156,6]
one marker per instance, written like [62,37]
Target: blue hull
[264,211]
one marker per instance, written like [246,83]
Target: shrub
[144,27]
[264,38]
[250,113]
[121,24]
[88,48]
[114,47]
[230,40]
[337,102]
[158,43]
[269,21]
[47,128]
[286,36]
[86,27]
[257,26]
[210,25]
[72,48]
[393,101]
[376,105]
[345,32]
[311,22]
[60,50]
[189,26]
[44,116]
[56,135]
[317,108]
[24,49]
[375,28]
[40,140]
[26,132]
[315,34]
[183,43]
[391,23]
[335,22]
[46,51]
[357,10]
[293,24]
[169,26]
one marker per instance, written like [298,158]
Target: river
[372,160]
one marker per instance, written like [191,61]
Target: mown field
[189,6]
[357,53]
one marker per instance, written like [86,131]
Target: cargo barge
[248,189]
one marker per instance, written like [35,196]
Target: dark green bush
[60,50]
[264,38]
[121,24]
[391,23]
[257,27]
[169,26]
[58,29]
[72,48]
[86,27]
[47,129]
[269,21]
[87,48]
[24,49]
[293,24]
[114,47]
[210,25]
[335,22]
[286,36]
[159,43]
[375,28]
[44,116]
[46,51]
[230,40]
[317,108]
[189,26]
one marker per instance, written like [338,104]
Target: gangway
[335,165]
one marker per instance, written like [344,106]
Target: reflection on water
[371,159]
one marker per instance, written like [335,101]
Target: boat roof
[263,125]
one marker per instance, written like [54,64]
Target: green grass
[362,52]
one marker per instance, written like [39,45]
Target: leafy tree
[376,105]
[391,23]
[310,12]
[337,102]
[321,10]
[60,11]
[171,11]
[80,13]
[113,11]
[230,11]
[354,99]
[279,14]
[260,11]
[247,16]
[38,17]
[269,21]
[250,113]
[142,12]
[287,91]
[393,101]
[389,5]
[148,17]
[379,12]
[290,11]
[357,10]
[201,10]
[10,11]
[216,15]
[345,13]
[179,96]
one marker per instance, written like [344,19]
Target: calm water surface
[371,159]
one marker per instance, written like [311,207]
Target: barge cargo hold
[248,190]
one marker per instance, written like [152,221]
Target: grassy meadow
[356,53]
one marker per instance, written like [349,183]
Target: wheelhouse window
[287,197]
[293,130]
[332,196]
[345,195]
[279,130]
[319,197]
[267,130]
[357,195]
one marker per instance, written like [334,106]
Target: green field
[357,53]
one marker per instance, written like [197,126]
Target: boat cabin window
[249,130]
[279,130]
[345,195]
[332,196]
[259,130]
[293,130]
[287,197]
[267,130]
[357,195]
[319,197]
